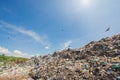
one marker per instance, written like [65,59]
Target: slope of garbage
[98,60]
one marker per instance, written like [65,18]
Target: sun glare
[86,3]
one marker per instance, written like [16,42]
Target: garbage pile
[98,60]
[15,73]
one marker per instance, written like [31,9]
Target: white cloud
[67,44]
[16,53]
[30,33]
[4,50]
[47,47]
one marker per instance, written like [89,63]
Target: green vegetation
[10,60]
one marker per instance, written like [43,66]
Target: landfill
[98,60]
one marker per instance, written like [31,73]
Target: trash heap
[15,72]
[98,60]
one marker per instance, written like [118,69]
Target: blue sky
[33,27]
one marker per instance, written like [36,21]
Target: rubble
[98,60]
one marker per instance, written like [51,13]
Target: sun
[86,3]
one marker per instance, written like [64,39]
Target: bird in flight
[107,29]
